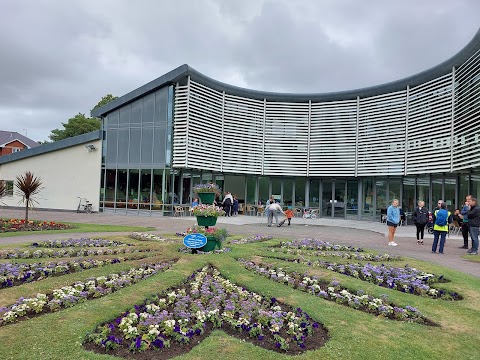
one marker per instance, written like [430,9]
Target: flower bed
[334,292]
[252,239]
[77,243]
[361,256]
[187,250]
[315,244]
[406,279]
[68,252]
[12,225]
[78,292]
[173,322]
[14,274]
[147,237]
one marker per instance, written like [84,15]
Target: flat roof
[53,146]
[182,72]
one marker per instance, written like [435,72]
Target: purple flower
[158,343]
[138,342]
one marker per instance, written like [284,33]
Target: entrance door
[333,198]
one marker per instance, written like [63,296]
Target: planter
[206,220]
[212,243]
[207,197]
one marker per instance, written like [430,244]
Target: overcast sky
[60,57]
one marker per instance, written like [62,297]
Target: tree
[28,187]
[80,123]
[105,100]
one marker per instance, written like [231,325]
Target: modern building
[347,154]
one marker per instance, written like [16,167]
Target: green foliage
[28,187]
[105,100]
[80,123]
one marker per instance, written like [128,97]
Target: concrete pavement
[370,235]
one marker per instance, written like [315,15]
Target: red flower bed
[13,225]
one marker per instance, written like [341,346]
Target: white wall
[66,174]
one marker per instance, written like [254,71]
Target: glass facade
[137,155]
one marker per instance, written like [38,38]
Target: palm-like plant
[3,188]
[28,186]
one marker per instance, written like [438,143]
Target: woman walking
[420,219]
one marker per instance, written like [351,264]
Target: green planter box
[207,197]
[212,243]
[206,220]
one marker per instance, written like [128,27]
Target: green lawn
[81,228]
[353,334]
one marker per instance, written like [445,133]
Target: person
[227,203]
[273,210]
[465,228]
[289,214]
[457,220]
[393,218]
[271,200]
[194,203]
[473,223]
[441,218]
[420,219]
[235,205]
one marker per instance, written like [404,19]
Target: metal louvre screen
[333,128]
[204,138]
[429,126]
[180,127]
[381,135]
[242,135]
[286,138]
[466,150]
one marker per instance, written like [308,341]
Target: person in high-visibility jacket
[440,230]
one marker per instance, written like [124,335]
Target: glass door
[352,199]
[334,198]
[339,202]
[327,198]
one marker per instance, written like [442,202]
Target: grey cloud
[59,58]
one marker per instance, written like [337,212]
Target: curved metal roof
[184,71]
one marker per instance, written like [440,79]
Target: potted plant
[207,214]
[215,236]
[207,192]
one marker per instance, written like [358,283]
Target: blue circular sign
[195,241]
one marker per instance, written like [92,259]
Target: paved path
[370,235]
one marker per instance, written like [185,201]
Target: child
[235,205]
[289,214]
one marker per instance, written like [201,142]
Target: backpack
[441,217]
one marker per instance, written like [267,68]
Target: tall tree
[28,187]
[80,123]
[105,100]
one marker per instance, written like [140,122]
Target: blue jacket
[464,213]
[393,214]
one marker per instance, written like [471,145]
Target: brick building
[11,142]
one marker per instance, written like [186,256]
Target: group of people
[468,218]
[272,208]
[230,204]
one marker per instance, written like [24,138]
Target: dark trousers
[420,231]
[228,209]
[438,234]
[465,232]
[289,220]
